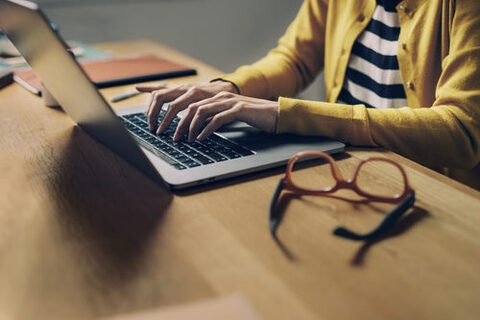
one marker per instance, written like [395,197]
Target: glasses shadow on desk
[107,208]
[281,208]
[413,217]
[416,215]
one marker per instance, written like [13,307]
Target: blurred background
[222,33]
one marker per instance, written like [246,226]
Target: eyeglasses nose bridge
[345,184]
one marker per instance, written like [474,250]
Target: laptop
[233,150]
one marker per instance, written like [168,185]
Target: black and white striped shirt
[373,77]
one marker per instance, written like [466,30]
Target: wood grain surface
[84,235]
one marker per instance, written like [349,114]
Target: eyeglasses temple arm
[389,220]
[273,219]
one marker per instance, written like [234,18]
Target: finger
[186,120]
[202,113]
[150,88]
[219,120]
[179,104]
[153,110]
[159,97]
[184,123]
[167,119]
[221,96]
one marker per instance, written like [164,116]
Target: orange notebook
[116,71]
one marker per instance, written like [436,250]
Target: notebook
[235,150]
[116,71]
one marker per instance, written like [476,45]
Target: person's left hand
[223,108]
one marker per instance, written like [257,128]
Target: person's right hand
[179,98]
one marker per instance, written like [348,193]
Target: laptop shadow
[108,209]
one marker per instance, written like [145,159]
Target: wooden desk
[84,235]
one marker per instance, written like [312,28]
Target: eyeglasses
[363,183]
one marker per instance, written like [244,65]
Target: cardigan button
[361,18]
[404,8]
[404,46]
[410,85]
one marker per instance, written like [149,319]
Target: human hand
[223,108]
[179,98]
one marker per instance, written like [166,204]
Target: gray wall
[222,33]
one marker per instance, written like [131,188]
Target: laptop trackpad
[255,139]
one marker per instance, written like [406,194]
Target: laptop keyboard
[182,154]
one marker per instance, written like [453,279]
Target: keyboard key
[167,149]
[217,157]
[192,164]
[175,153]
[130,116]
[159,144]
[204,160]
[142,116]
[182,158]
[179,166]
[151,139]
[189,151]
[232,155]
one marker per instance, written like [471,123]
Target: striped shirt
[373,77]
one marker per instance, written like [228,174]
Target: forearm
[441,136]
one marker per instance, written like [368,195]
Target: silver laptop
[234,150]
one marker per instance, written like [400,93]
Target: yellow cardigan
[439,59]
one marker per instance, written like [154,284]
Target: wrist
[227,86]
[275,114]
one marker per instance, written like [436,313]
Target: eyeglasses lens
[380,178]
[319,178]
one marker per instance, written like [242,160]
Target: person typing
[402,75]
